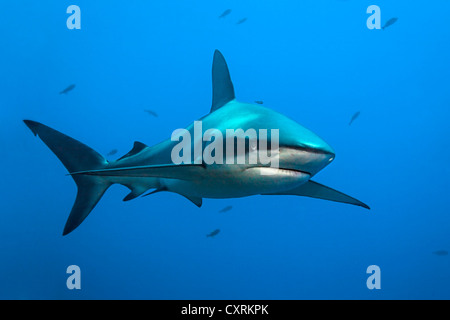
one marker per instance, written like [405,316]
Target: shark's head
[308,153]
[299,148]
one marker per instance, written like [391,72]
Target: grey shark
[302,154]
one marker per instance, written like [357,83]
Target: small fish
[112,152]
[227,208]
[390,22]
[356,115]
[241,21]
[214,233]
[153,113]
[441,253]
[259,102]
[225,13]
[69,88]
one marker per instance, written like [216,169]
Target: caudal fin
[75,156]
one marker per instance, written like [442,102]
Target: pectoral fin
[316,190]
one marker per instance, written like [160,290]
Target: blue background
[315,61]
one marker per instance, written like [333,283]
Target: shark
[146,170]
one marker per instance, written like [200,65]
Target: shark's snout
[315,143]
[327,151]
[306,155]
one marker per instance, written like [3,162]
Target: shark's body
[301,155]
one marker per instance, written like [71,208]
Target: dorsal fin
[223,90]
[137,147]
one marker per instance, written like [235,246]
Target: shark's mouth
[307,149]
[284,172]
[295,171]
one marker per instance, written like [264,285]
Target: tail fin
[75,156]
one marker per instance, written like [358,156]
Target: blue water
[314,61]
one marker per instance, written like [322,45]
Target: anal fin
[136,191]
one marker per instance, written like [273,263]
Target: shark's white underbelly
[252,181]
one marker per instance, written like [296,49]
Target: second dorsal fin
[223,90]
[137,147]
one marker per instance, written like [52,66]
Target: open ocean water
[142,69]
